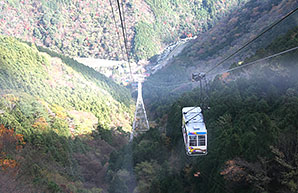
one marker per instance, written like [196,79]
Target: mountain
[251,116]
[69,116]
[65,127]
[87,28]
[251,121]
[229,34]
[62,83]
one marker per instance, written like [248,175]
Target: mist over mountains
[65,127]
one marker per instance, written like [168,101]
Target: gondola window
[192,140]
[201,140]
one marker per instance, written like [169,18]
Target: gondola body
[194,131]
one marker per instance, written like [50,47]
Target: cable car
[194,131]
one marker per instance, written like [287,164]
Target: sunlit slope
[67,88]
[87,29]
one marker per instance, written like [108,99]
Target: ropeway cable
[114,18]
[124,22]
[256,61]
[252,40]
[124,37]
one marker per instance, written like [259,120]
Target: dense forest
[230,33]
[66,128]
[87,28]
[252,135]
[54,114]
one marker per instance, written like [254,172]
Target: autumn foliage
[10,143]
[10,98]
[225,77]
[40,123]
[233,171]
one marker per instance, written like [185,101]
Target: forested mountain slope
[63,126]
[229,34]
[62,83]
[57,117]
[87,29]
[252,123]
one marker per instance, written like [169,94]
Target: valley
[74,118]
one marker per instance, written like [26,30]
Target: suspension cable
[250,41]
[247,64]
[256,61]
[125,40]
[124,22]
[164,84]
[118,34]
[189,110]
[193,117]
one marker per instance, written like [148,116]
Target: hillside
[229,34]
[87,28]
[59,121]
[64,127]
[62,84]
[252,134]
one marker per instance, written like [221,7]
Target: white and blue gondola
[194,131]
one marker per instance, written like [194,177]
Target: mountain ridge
[86,28]
[57,83]
[64,118]
[207,50]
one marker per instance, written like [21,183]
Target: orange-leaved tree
[10,144]
[40,123]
